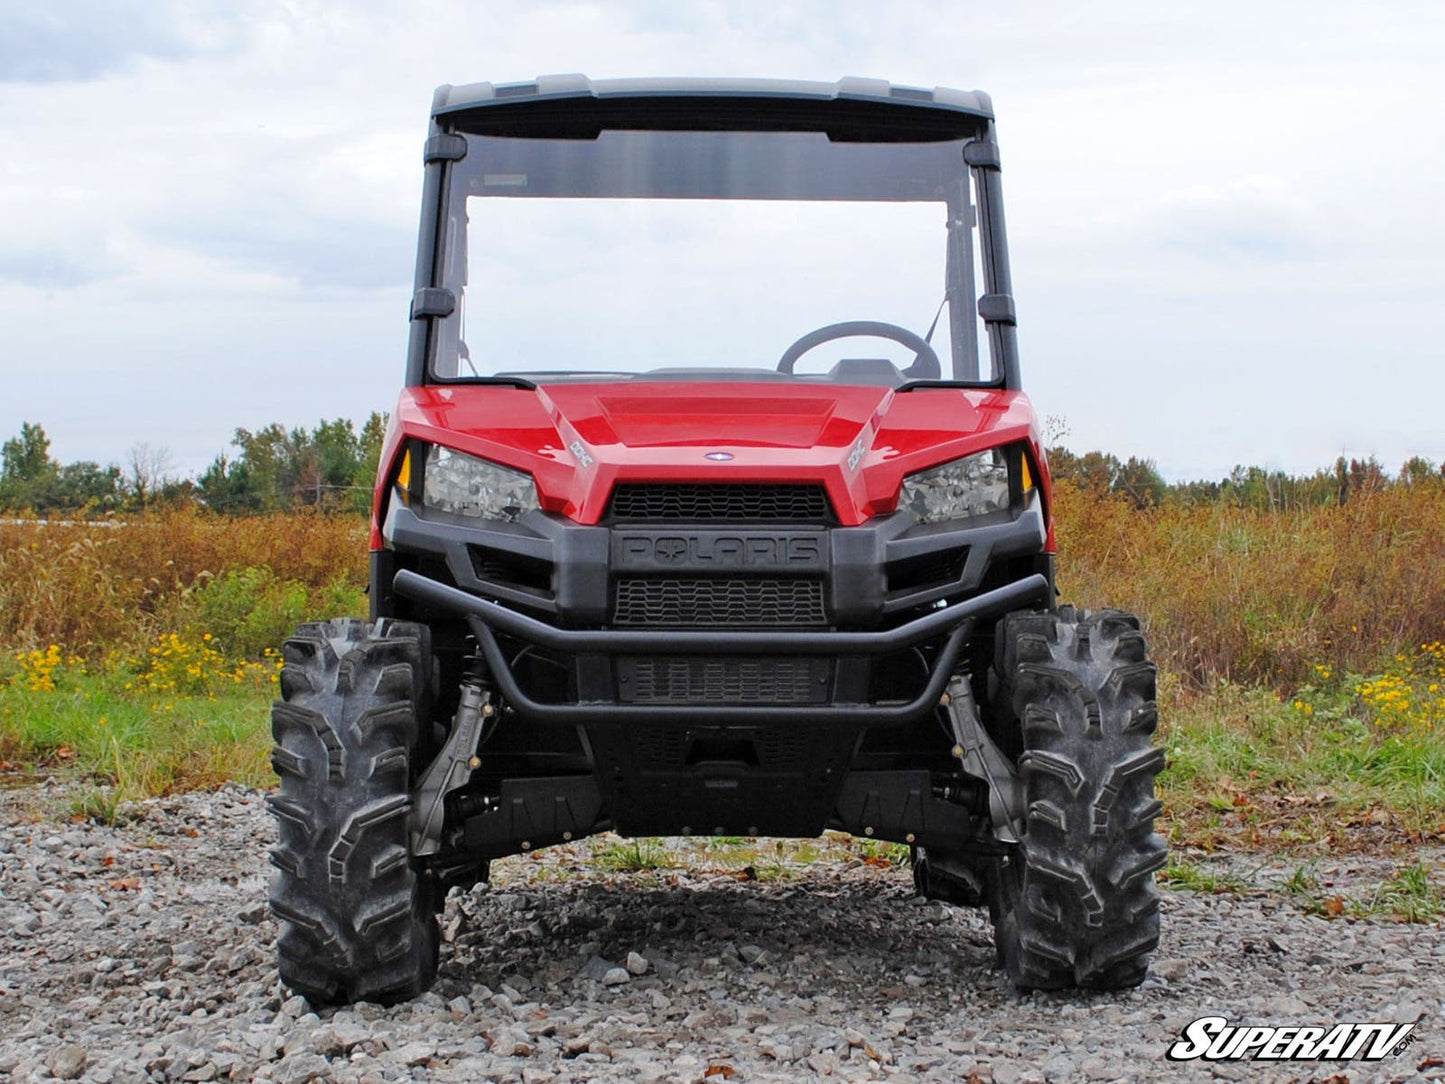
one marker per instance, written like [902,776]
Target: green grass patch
[1190,877]
[634,856]
[1246,767]
[745,858]
[103,805]
[1411,895]
[127,730]
[877,852]
[251,610]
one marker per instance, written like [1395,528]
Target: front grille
[678,603]
[702,502]
[711,680]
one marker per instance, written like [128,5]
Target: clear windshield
[708,255]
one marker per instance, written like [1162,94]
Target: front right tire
[1076,903]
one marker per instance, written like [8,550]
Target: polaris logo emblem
[584,457]
[719,457]
[720,551]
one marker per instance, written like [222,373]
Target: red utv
[713,505]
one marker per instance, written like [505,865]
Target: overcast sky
[1225,218]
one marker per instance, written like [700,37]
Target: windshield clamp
[445,148]
[997,309]
[433,301]
[981,154]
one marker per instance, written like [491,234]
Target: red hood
[578,439]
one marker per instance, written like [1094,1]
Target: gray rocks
[300,1068]
[67,1062]
[413,1054]
[140,953]
[1170,969]
[597,968]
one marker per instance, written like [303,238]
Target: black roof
[875,96]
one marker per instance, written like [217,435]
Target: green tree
[88,486]
[373,433]
[1417,470]
[330,466]
[28,476]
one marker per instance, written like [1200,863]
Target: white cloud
[1224,217]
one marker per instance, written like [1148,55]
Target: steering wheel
[926,365]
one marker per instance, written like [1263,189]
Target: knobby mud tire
[357,922]
[1076,904]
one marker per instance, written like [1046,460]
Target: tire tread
[1077,905]
[356,923]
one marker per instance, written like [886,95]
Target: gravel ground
[144,952]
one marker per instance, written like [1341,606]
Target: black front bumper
[950,623]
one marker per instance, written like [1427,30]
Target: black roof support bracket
[433,301]
[997,309]
[982,154]
[445,148]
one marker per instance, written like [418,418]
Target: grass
[1315,771]
[1180,873]
[103,805]
[877,853]
[136,727]
[634,856]
[93,590]
[744,858]
[1409,895]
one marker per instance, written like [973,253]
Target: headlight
[467,486]
[972,486]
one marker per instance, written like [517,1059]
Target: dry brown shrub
[91,587]
[1258,596]
[1227,593]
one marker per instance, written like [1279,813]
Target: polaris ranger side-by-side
[713,505]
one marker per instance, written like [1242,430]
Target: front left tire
[357,920]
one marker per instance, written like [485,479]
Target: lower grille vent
[773,603]
[713,680]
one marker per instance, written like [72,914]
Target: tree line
[332,466]
[1139,481]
